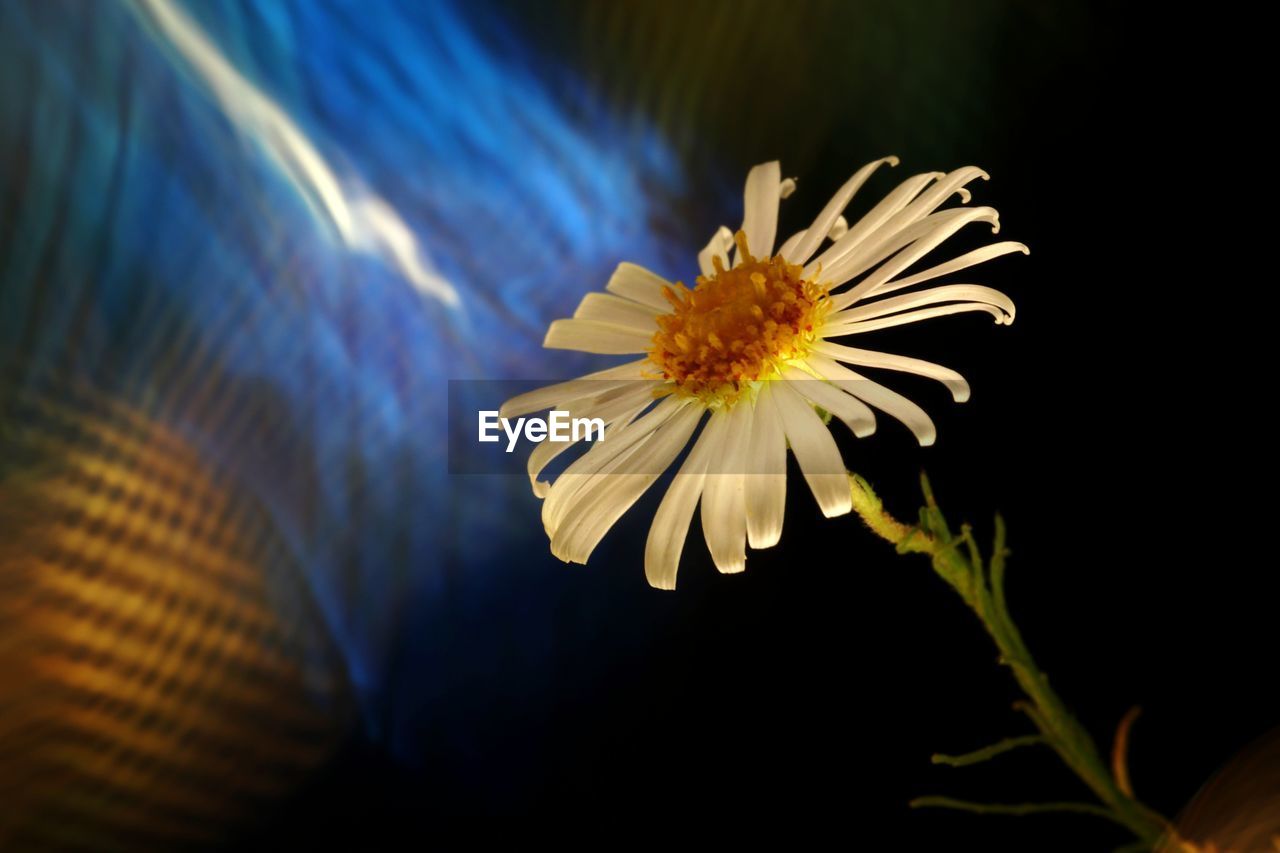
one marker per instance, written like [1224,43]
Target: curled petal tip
[892,159]
[965,195]
[865,431]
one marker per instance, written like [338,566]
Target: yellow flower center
[737,327]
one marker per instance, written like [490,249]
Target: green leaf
[1016,809]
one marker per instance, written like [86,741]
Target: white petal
[724,513]
[786,188]
[913,317]
[932,296]
[760,209]
[852,412]
[906,247]
[969,259]
[560,393]
[787,251]
[611,494]
[955,383]
[860,250]
[868,228]
[766,478]
[622,405]
[815,450]
[822,224]
[888,220]
[717,246]
[603,457]
[890,402]
[838,229]
[670,525]
[948,185]
[600,338]
[638,284]
[607,308]
[923,246]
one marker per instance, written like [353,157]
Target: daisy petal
[906,317]
[622,406]
[822,224]
[787,251]
[608,497]
[901,249]
[607,308]
[717,247]
[852,412]
[760,208]
[955,383]
[869,225]
[969,259]
[766,480]
[670,525]
[815,451]
[638,284]
[921,247]
[603,457]
[932,296]
[874,394]
[950,184]
[724,514]
[595,337]
[561,393]
[878,246]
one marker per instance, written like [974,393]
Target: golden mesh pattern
[162,671]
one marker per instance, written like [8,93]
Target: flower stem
[957,559]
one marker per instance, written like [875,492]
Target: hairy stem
[957,559]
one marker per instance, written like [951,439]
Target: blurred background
[245,245]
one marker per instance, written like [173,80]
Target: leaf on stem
[1016,809]
[987,753]
[1120,751]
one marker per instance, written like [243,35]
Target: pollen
[737,327]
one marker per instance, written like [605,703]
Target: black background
[1119,425]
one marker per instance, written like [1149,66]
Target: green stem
[958,561]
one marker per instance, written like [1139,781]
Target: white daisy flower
[730,347]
